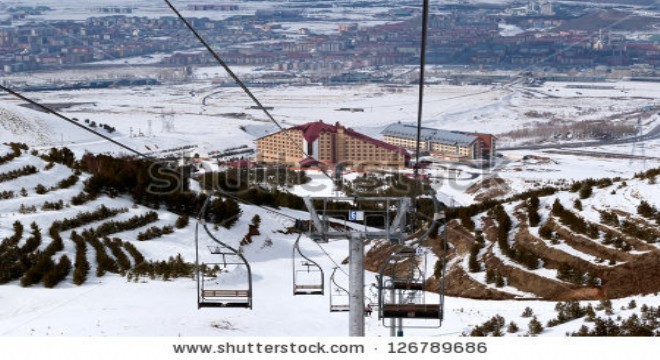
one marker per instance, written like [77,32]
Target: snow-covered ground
[80,10]
[210,117]
[206,115]
[202,110]
[113,306]
[523,175]
[213,118]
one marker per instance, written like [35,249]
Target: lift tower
[357,220]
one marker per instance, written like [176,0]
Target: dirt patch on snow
[489,188]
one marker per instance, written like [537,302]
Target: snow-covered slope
[112,305]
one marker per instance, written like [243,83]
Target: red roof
[378,143]
[241,164]
[312,130]
[309,161]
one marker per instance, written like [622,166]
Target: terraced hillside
[594,239]
[52,231]
[88,228]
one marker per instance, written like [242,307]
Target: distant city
[518,36]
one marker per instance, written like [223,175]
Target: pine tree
[503,228]
[466,219]
[545,231]
[473,262]
[532,212]
[575,186]
[490,276]
[182,221]
[583,331]
[590,313]
[605,305]
[499,281]
[34,274]
[535,327]
[646,210]
[534,202]
[40,189]
[512,328]
[557,208]
[256,220]
[58,273]
[585,192]
[528,312]
[577,204]
[593,231]
[227,212]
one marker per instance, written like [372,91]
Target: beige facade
[467,151]
[409,144]
[283,147]
[454,145]
[329,144]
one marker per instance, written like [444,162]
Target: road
[653,134]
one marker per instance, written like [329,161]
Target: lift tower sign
[356,215]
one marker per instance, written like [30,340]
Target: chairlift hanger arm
[210,234]
[296,248]
[306,289]
[332,279]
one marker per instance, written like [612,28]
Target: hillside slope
[590,240]
[112,302]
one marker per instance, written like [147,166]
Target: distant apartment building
[212,7]
[449,145]
[546,8]
[318,143]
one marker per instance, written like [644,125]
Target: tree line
[25,262]
[644,323]
[174,267]
[15,152]
[113,226]
[575,222]
[154,185]
[155,232]
[15,174]
[86,217]
[521,256]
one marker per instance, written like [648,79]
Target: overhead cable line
[331,259]
[65,118]
[422,66]
[222,63]
[235,77]
[126,147]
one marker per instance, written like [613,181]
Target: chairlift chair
[401,288]
[210,292]
[308,278]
